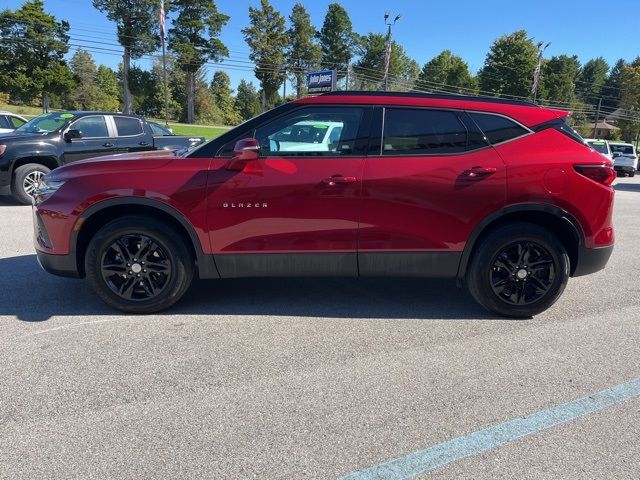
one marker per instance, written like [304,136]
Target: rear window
[421,131]
[623,149]
[599,147]
[127,126]
[498,129]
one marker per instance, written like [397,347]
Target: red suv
[501,195]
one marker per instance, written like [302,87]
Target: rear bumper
[591,260]
[62,265]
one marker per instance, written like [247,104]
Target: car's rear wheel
[25,181]
[518,270]
[138,265]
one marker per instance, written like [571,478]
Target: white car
[600,146]
[10,121]
[625,158]
[308,136]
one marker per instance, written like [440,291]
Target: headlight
[46,188]
[2,149]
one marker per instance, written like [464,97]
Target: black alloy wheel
[522,273]
[135,267]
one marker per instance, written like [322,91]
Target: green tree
[369,69]
[222,96]
[337,39]
[558,80]
[108,89]
[267,38]
[194,40]
[630,100]
[247,101]
[447,69]
[85,95]
[304,54]
[612,89]
[137,29]
[32,54]
[509,66]
[592,79]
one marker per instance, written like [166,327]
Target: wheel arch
[94,217]
[46,160]
[551,217]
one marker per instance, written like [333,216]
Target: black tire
[153,282]
[632,174]
[495,282]
[23,179]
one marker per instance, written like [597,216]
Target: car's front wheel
[518,270]
[25,181]
[138,265]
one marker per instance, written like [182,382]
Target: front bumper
[62,265]
[591,260]
[624,168]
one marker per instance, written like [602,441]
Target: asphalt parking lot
[293,379]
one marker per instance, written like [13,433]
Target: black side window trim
[558,124]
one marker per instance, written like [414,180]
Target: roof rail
[442,96]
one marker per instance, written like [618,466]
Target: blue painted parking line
[425,460]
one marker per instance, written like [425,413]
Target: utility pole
[164,64]
[595,124]
[387,54]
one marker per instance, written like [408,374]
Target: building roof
[603,125]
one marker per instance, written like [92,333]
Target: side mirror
[71,134]
[244,151]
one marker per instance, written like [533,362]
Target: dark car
[500,195]
[54,139]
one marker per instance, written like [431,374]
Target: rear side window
[422,131]
[127,126]
[498,129]
[16,122]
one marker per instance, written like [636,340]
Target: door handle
[480,171]
[335,179]
[108,145]
[143,144]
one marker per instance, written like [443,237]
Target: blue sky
[467,27]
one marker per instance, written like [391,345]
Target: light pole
[387,54]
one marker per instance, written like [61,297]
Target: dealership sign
[320,82]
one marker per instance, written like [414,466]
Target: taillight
[603,174]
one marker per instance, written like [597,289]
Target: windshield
[623,149]
[599,147]
[47,123]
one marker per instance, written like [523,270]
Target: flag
[536,76]
[387,57]
[162,19]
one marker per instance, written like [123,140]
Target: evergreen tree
[267,38]
[85,95]
[630,100]
[337,39]
[194,40]
[612,88]
[447,70]
[32,54]
[137,29]
[509,66]
[592,79]
[222,96]
[369,70]
[558,81]
[304,54]
[247,101]
[108,89]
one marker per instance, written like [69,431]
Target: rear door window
[413,131]
[496,128]
[16,122]
[4,122]
[128,126]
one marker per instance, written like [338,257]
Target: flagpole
[164,65]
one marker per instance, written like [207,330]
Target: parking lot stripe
[425,460]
